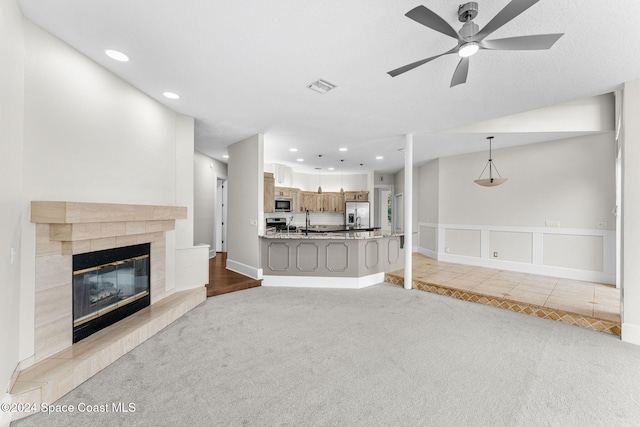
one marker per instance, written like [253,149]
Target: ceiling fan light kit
[471,39]
[468,49]
[491,181]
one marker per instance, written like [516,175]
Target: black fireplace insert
[108,286]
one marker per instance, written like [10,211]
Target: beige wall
[571,181]
[245,216]
[429,192]
[11,207]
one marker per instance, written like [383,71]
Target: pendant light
[341,176]
[491,181]
[319,177]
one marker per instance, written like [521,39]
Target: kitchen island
[349,259]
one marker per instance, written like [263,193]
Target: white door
[221,216]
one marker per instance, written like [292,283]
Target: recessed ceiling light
[342,149]
[171,95]
[321,86]
[226,156]
[331,169]
[117,55]
[300,160]
[293,149]
[379,157]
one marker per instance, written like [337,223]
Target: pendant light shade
[492,181]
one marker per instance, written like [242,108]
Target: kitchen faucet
[357,222]
[307,222]
[289,224]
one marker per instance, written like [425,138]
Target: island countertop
[344,235]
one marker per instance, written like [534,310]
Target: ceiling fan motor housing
[467,10]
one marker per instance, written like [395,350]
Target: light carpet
[379,356]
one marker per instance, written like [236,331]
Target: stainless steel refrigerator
[357,214]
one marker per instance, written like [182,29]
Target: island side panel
[317,257]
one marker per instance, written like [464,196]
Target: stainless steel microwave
[283,205]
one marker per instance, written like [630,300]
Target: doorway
[220,229]
[383,207]
[398,213]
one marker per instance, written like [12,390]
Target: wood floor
[222,281]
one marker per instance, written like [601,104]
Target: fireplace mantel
[80,213]
[86,227]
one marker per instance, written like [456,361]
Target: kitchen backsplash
[316,218]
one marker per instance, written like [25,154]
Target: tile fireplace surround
[67,228]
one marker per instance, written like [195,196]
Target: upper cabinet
[332,202]
[356,196]
[269,190]
[312,201]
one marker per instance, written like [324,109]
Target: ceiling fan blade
[537,42]
[510,11]
[460,75]
[413,65]
[428,18]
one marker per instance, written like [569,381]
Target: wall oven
[283,205]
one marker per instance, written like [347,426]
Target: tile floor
[593,300]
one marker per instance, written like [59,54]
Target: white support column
[408,209]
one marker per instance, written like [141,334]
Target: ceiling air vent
[321,86]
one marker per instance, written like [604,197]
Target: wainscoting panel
[581,254]
[463,242]
[511,246]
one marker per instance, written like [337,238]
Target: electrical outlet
[495,254]
[446,250]
[253,222]
[602,224]
[549,223]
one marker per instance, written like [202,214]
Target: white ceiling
[242,67]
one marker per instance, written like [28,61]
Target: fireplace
[109,285]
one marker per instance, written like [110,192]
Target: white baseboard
[247,270]
[546,270]
[427,252]
[631,333]
[323,282]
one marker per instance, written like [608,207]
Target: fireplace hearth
[109,285]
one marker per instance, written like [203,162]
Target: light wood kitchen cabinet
[332,202]
[284,192]
[356,196]
[269,189]
[316,202]
[310,201]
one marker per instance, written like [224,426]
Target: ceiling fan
[471,39]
